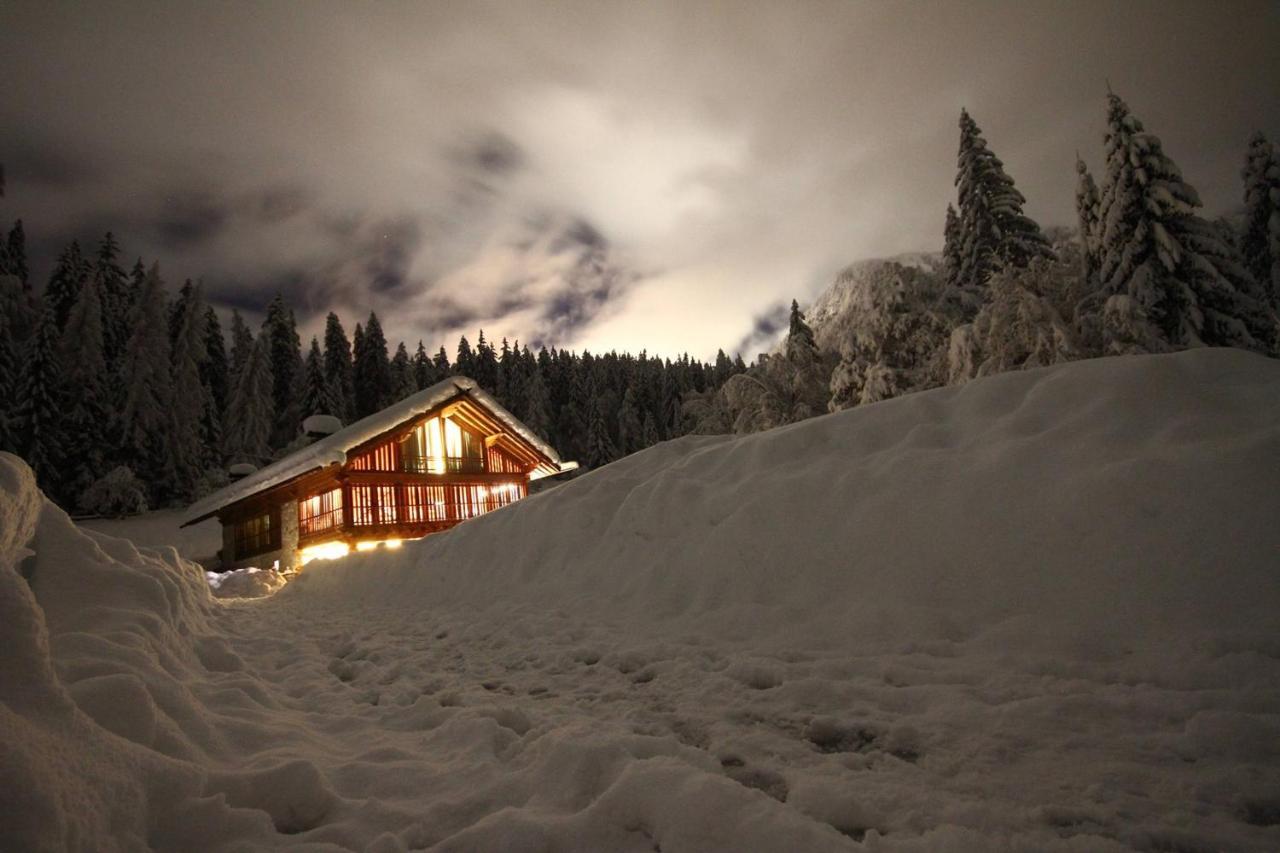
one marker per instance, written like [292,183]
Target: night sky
[631,176]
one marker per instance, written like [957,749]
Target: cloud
[593,174]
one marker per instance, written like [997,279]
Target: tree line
[121,396]
[1143,272]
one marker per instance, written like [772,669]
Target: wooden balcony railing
[447,465]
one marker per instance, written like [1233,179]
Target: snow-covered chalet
[445,454]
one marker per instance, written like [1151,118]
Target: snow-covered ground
[1037,612]
[198,543]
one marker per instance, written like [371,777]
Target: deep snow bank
[1091,507]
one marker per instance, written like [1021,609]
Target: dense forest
[121,396]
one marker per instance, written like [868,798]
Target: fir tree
[337,368]
[317,398]
[599,448]
[993,229]
[537,412]
[241,345]
[113,289]
[40,409]
[802,346]
[84,368]
[1260,243]
[1172,266]
[630,429]
[465,364]
[372,369]
[486,365]
[424,372]
[178,311]
[951,257]
[281,332]
[17,255]
[1087,216]
[145,368]
[443,368]
[68,278]
[10,384]
[402,381]
[187,455]
[249,416]
[649,432]
[215,372]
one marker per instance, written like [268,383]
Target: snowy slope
[1038,612]
[830,315]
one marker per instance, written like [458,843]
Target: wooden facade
[435,469]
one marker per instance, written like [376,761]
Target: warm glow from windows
[324,551]
[372,544]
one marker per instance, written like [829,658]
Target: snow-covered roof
[332,449]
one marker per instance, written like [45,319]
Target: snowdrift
[1114,504]
[1038,612]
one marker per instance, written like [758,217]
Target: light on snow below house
[324,551]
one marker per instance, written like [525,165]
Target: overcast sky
[633,176]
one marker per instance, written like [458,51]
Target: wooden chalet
[441,456]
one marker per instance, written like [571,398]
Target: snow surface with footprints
[1041,612]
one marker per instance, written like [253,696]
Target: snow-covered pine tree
[249,416]
[441,362]
[1177,278]
[187,456]
[424,372]
[337,368]
[16,249]
[241,344]
[1087,216]
[630,437]
[69,275]
[372,368]
[402,381]
[215,372]
[537,411]
[317,398]
[951,240]
[148,382]
[465,363]
[281,332]
[113,289]
[1260,243]
[600,449]
[801,344]
[178,311]
[486,365]
[993,230]
[40,406]
[10,383]
[88,403]
[648,432]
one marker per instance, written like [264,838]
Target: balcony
[443,465]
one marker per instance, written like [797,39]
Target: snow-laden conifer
[147,378]
[70,273]
[1087,217]
[401,374]
[337,368]
[87,415]
[40,406]
[1260,243]
[1173,270]
[249,417]
[187,454]
[993,230]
